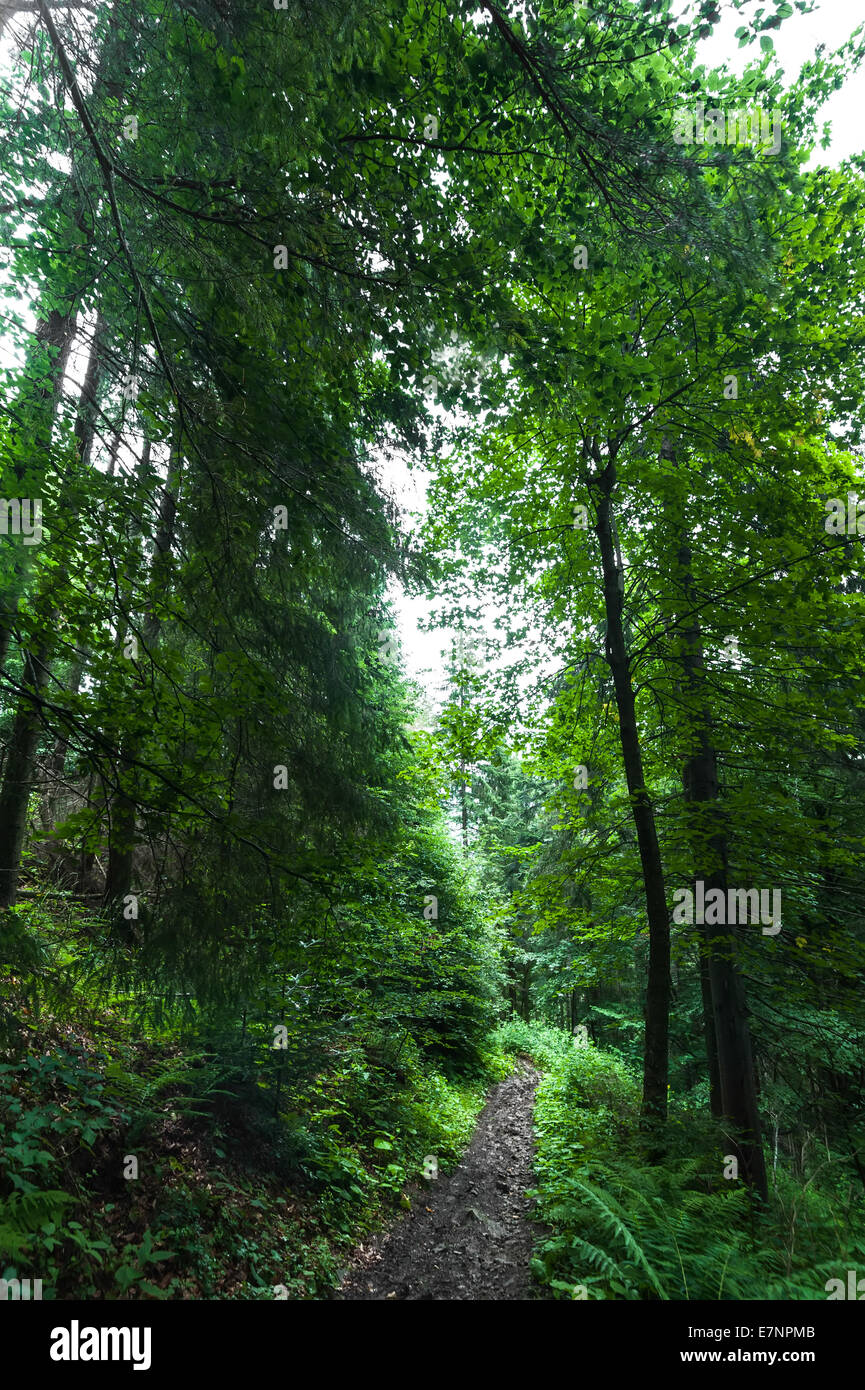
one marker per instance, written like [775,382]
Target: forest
[536,973]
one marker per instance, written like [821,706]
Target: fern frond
[22,1213]
[616,1225]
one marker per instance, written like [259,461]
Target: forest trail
[470,1234]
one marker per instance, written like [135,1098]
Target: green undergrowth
[124,1175]
[620,1227]
[151,1165]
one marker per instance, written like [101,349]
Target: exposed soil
[470,1234]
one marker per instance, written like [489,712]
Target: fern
[23,1213]
[142,1091]
[613,1218]
[671,1231]
[599,1259]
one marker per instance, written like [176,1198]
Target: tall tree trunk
[526,990]
[20,9]
[656,1055]
[56,332]
[695,736]
[38,407]
[464,807]
[712,1065]
[121,847]
[737,1099]
[18,773]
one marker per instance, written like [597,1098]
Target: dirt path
[469,1235]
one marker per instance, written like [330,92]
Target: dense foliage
[259,919]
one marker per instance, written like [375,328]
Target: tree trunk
[85,433]
[715,1102]
[37,408]
[526,991]
[737,1100]
[19,768]
[55,332]
[656,1056]
[19,772]
[121,848]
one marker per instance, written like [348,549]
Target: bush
[545,1045]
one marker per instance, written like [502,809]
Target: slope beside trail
[469,1234]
